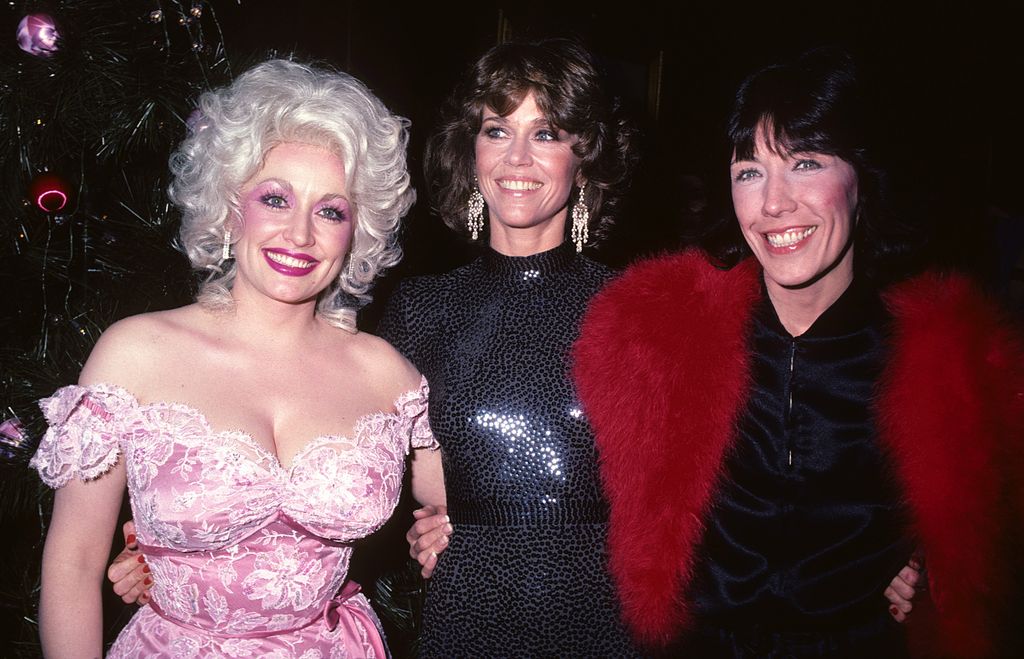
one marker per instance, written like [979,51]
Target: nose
[519,151]
[778,198]
[299,231]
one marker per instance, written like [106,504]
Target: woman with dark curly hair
[779,434]
[532,159]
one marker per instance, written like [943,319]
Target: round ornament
[37,35]
[49,192]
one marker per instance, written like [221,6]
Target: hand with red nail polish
[128,571]
[903,588]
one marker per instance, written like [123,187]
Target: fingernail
[140,558]
[447,519]
[131,539]
[449,528]
[145,568]
[444,540]
[893,610]
[147,581]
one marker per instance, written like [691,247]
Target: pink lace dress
[249,558]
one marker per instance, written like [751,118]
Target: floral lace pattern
[246,555]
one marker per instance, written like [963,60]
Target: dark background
[945,77]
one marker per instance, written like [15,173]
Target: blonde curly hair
[278,101]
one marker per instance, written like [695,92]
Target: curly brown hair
[568,89]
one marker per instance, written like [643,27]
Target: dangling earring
[580,221]
[476,211]
[225,250]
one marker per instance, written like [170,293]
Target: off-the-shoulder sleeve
[412,409]
[86,424]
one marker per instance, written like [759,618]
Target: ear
[581,180]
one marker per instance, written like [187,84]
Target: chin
[790,278]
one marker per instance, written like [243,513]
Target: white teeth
[289,261]
[789,237]
[518,185]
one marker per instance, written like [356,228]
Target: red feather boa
[662,368]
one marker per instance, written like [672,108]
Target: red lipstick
[292,264]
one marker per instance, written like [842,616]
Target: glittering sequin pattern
[525,574]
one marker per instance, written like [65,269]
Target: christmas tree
[93,96]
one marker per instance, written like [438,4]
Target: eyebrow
[274,179]
[539,121]
[330,196]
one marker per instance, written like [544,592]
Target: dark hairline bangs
[783,138]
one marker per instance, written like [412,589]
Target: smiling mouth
[290,261]
[789,237]
[518,186]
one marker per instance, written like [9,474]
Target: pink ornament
[37,35]
[11,431]
[49,192]
[12,435]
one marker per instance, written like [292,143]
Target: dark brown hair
[817,104]
[568,89]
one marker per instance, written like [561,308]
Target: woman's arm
[428,535]
[85,512]
[427,477]
[74,560]
[407,317]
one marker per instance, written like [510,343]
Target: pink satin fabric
[247,556]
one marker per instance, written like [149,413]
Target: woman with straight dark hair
[778,435]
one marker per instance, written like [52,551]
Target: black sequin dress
[525,574]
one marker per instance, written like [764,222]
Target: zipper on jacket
[789,406]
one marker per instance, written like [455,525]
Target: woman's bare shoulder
[129,350]
[384,368]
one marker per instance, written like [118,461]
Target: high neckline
[858,307]
[530,268]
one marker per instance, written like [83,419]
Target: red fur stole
[662,369]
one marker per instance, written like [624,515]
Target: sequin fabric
[248,556]
[525,574]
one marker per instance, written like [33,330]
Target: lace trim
[86,445]
[86,426]
[412,406]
